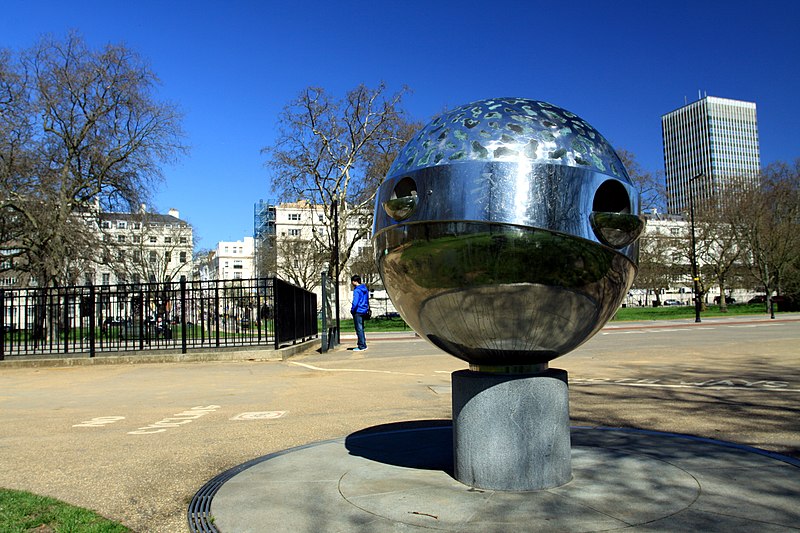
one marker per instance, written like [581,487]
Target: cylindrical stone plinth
[511,431]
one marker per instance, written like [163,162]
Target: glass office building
[710,150]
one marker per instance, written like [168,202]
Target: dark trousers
[358,320]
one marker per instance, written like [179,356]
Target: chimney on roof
[174,212]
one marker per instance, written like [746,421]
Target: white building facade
[143,247]
[235,259]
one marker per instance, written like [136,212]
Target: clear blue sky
[232,65]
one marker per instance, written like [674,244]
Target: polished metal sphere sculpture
[506,233]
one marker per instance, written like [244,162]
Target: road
[136,441]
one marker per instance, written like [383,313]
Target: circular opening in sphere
[611,218]
[611,197]
[405,187]
[403,201]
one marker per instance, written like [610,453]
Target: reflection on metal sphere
[505,233]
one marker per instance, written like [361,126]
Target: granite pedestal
[511,431]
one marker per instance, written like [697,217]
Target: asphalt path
[136,441]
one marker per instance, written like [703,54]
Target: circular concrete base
[401,480]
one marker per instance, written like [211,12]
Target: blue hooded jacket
[360,299]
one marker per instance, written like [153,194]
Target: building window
[137,238]
[183,240]
[167,240]
[294,232]
[137,225]
[182,257]
[120,238]
[167,257]
[153,256]
[153,239]
[106,278]
[122,225]
[137,255]
[294,216]
[106,225]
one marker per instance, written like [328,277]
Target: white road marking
[99,421]
[711,384]
[178,419]
[312,367]
[259,415]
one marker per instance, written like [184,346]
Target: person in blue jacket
[359,308]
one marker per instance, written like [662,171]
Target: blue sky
[231,66]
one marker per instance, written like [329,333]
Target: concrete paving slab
[622,480]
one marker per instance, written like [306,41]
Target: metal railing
[155,316]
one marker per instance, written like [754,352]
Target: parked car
[672,302]
[728,300]
[759,299]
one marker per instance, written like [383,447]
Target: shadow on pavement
[421,444]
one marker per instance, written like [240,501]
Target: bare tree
[334,153]
[80,127]
[266,256]
[658,264]
[302,261]
[652,191]
[769,228]
[717,246]
[363,264]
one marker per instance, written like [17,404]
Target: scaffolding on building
[264,235]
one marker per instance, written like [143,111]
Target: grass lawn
[23,512]
[623,314]
[685,311]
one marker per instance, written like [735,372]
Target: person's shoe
[359,349]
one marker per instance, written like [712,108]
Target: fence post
[276,295]
[142,308]
[66,320]
[183,314]
[216,311]
[91,320]
[2,324]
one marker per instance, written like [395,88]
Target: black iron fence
[155,316]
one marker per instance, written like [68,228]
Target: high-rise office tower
[710,151]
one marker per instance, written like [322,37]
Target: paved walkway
[137,441]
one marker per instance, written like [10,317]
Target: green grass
[685,311]
[623,314]
[23,512]
[382,324]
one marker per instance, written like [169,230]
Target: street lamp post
[695,277]
[336,266]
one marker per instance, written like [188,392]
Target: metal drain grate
[199,513]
